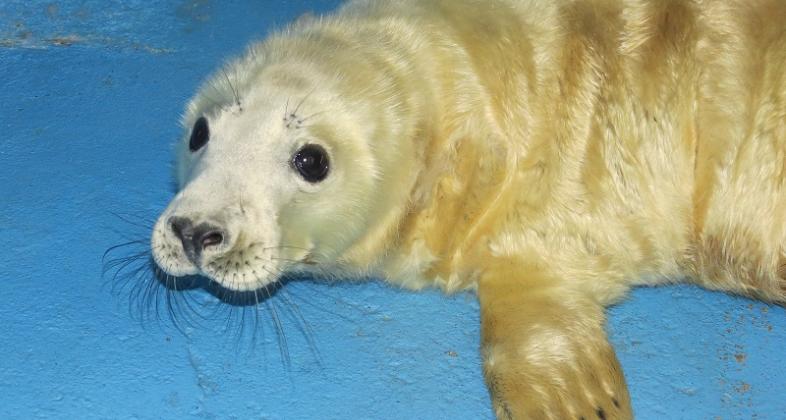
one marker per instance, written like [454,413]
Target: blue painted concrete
[90,95]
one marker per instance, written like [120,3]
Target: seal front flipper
[545,352]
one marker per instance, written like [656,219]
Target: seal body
[549,155]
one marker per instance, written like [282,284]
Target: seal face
[276,175]
[549,155]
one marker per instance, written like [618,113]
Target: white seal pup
[549,155]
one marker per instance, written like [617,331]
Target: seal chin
[242,281]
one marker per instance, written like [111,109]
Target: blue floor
[90,96]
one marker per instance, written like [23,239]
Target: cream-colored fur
[549,154]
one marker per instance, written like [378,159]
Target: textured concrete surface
[90,95]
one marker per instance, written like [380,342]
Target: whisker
[300,321]
[311,304]
[120,263]
[139,222]
[152,293]
[304,326]
[303,261]
[297,108]
[133,278]
[268,248]
[256,318]
[310,116]
[213,101]
[280,334]
[234,91]
[119,246]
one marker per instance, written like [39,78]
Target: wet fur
[548,154]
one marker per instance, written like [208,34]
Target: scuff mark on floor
[52,10]
[207,386]
[64,41]
[26,40]
[194,12]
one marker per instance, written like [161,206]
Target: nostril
[212,239]
[196,238]
[206,236]
[181,227]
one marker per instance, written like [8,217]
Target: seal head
[281,169]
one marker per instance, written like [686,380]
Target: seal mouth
[207,252]
[243,270]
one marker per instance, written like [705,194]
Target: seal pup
[548,155]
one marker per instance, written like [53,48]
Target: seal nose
[196,239]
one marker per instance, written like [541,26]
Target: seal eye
[311,161]
[200,134]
